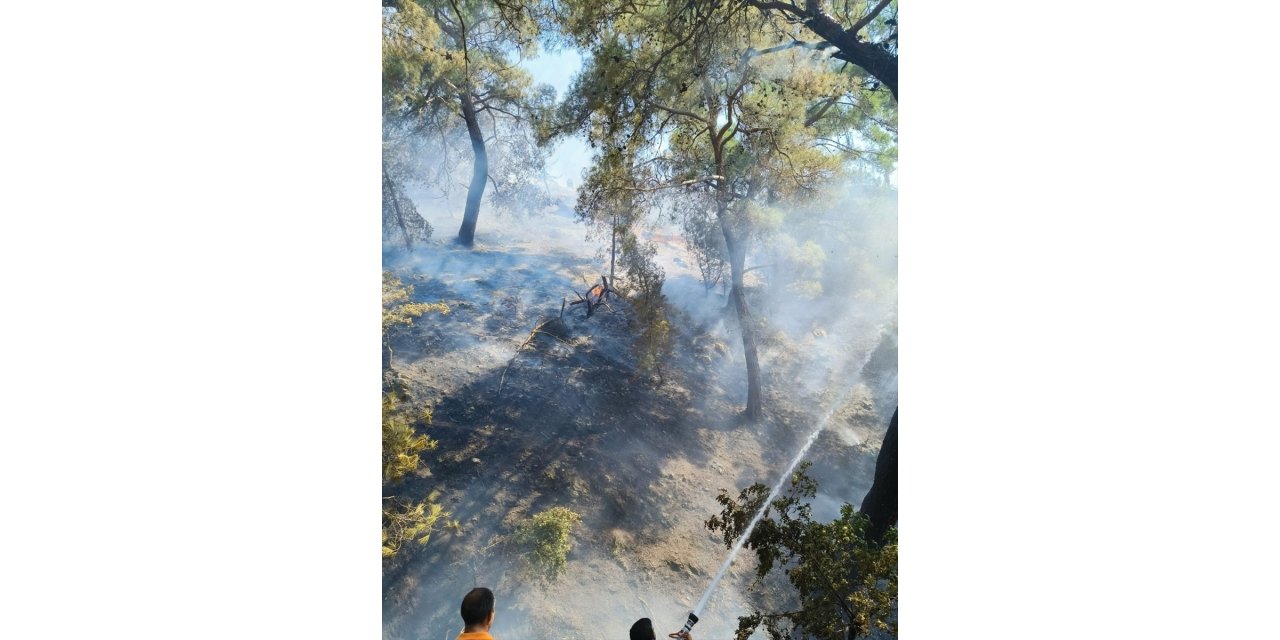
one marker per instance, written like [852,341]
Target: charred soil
[534,409]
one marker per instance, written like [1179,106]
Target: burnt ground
[569,421]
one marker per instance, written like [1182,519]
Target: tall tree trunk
[881,501]
[737,249]
[737,264]
[479,173]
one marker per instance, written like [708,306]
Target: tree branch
[822,111]
[466,60]
[681,112]
[485,106]
[866,20]
[784,7]
[816,46]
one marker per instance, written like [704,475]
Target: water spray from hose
[777,488]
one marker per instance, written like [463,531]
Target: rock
[682,567]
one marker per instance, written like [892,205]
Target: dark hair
[476,606]
[642,630]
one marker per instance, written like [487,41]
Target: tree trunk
[737,262]
[479,173]
[873,59]
[881,501]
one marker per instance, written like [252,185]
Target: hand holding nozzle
[683,634]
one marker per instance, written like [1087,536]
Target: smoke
[650,486]
[564,422]
[823,286]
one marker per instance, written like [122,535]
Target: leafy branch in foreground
[846,582]
[409,522]
[402,445]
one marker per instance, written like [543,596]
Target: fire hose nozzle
[693,619]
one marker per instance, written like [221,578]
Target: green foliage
[545,538]
[847,585]
[799,265]
[616,212]
[404,521]
[438,55]
[704,240]
[397,309]
[717,114]
[653,345]
[433,49]
[861,33]
[643,290]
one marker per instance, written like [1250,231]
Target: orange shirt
[475,635]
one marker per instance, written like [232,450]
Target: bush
[643,290]
[545,540]
[846,581]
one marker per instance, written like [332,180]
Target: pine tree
[450,73]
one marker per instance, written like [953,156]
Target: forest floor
[569,421]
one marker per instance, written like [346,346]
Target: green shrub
[545,538]
[847,583]
[653,344]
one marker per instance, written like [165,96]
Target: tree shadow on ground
[568,421]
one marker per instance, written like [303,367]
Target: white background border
[190,262]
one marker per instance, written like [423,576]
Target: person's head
[642,630]
[477,608]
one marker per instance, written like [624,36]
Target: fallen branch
[596,296]
[532,334]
